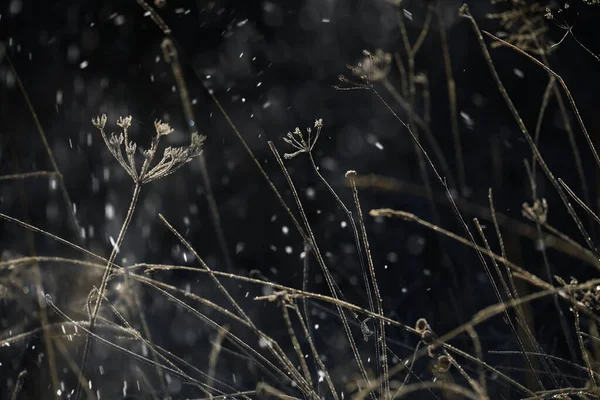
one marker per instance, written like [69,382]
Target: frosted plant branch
[296,140]
[172,159]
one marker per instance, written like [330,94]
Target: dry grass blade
[18,385]
[571,193]
[386,212]
[156,18]
[261,360]
[382,337]
[328,278]
[464,12]
[60,178]
[512,293]
[26,175]
[444,386]
[105,277]
[214,355]
[584,352]
[171,57]
[275,349]
[554,239]
[565,88]
[501,300]
[315,353]
[452,103]
[100,339]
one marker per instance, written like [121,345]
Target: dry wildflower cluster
[537,212]
[296,139]
[172,158]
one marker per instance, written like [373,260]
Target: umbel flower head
[172,159]
[297,140]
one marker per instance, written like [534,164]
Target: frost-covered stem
[107,272]
[368,286]
[382,341]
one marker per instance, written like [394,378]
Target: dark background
[272,65]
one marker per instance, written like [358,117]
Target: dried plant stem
[411,52]
[386,212]
[295,342]
[25,175]
[410,371]
[452,102]
[464,11]
[425,127]
[513,293]
[563,112]
[478,361]
[584,353]
[58,174]
[474,385]
[436,173]
[305,270]
[479,318]
[446,386]
[554,239]
[19,385]
[326,273]
[57,329]
[115,346]
[105,277]
[533,183]
[214,355]
[157,351]
[70,210]
[171,57]
[275,348]
[260,168]
[551,357]
[484,315]
[500,300]
[39,291]
[382,337]
[548,269]
[315,353]
[155,17]
[581,203]
[264,390]
[50,235]
[368,285]
[71,362]
[562,392]
[162,289]
[261,360]
[540,120]
[243,394]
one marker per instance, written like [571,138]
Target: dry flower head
[172,159]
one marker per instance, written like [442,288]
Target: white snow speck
[109,211]
[518,73]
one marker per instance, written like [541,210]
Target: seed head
[100,121]
[162,128]
[125,122]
